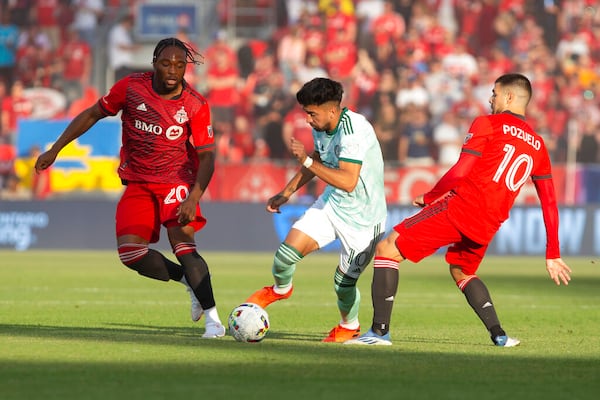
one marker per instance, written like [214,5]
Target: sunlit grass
[79,325]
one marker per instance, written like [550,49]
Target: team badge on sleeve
[209,130]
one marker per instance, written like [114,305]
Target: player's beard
[323,128]
[171,88]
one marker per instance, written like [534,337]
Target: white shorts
[358,246]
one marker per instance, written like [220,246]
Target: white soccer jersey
[354,140]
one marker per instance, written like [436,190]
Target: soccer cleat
[213,330]
[505,341]
[339,334]
[196,309]
[371,338]
[266,296]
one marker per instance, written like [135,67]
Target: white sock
[212,315]
[350,324]
[282,289]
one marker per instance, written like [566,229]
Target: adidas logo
[142,107]
[487,304]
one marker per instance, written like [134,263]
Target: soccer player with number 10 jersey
[467,207]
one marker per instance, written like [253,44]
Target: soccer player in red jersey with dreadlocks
[467,207]
[167,161]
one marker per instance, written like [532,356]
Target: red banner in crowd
[257,182]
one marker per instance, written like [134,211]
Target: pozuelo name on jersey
[521,134]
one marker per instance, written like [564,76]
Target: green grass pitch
[79,325]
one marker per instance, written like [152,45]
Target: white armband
[307,162]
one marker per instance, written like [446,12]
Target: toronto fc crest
[181,116]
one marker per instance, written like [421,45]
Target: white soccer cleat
[506,341]
[372,339]
[213,330]
[196,310]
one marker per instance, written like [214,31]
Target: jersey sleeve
[202,132]
[114,101]
[354,147]
[451,177]
[545,189]
[478,136]
[475,141]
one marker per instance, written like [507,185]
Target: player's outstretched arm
[449,180]
[301,178]
[558,270]
[77,127]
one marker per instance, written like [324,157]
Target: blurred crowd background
[419,70]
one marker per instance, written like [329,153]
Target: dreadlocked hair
[191,55]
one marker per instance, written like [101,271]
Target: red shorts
[144,207]
[429,230]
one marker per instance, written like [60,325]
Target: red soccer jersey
[388,27]
[160,137]
[509,153]
[225,96]
[46,16]
[75,55]
[340,58]
[15,108]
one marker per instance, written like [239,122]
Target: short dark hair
[190,53]
[517,80]
[319,91]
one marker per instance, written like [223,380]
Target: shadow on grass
[150,334]
[292,365]
[157,335]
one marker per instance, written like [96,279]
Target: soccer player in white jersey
[352,207]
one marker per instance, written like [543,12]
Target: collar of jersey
[514,114]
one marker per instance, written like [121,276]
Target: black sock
[383,290]
[156,266]
[175,270]
[479,299]
[198,277]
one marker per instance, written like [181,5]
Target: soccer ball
[248,322]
